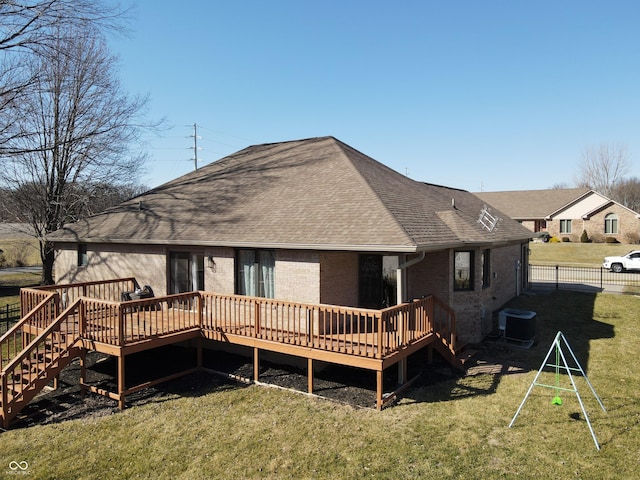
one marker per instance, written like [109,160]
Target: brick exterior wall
[145,263]
[220,277]
[314,277]
[628,226]
[474,309]
[297,276]
[430,277]
[339,278]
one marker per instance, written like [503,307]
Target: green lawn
[454,429]
[576,253]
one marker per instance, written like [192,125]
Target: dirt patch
[341,384]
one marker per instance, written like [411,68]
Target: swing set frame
[557,345]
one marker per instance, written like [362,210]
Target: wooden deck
[70,320]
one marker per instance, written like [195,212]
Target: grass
[579,254]
[20,251]
[10,285]
[454,429]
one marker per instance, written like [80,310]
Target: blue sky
[479,95]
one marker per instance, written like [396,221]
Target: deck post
[256,363]
[83,371]
[121,383]
[379,389]
[199,352]
[310,374]
[402,371]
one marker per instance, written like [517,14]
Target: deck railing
[30,304]
[111,290]
[118,323]
[355,331]
[19,378]
[140,319]
[40,317]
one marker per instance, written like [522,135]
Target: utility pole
[195,146]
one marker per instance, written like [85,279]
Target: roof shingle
[316,193]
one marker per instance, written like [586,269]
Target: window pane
[255,273]
[83,258]
[197,267]
[611,223]
[247,273]
[486,268]
[179,272]
[267,262]
[463,271]
[186,272]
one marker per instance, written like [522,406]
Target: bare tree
[31,24]
[29,27]
[627,192]
[77,128]
[602,167]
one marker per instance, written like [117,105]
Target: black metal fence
[9,314]
[566,277]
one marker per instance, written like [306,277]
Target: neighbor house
[312,221]
[566,213]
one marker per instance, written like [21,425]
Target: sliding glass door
[186,272]
[255,273]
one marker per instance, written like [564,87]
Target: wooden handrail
[16,330]
[352,330]
[44,351]
[40,337]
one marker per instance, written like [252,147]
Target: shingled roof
[317,193]
[532,204]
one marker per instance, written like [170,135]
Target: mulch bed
[347,385]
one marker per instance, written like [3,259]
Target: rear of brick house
[312,221]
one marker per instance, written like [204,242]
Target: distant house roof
[533,204]
[317,193]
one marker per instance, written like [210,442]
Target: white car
[631,261]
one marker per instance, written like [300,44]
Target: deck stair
[38,363]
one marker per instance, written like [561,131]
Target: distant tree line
[90,199]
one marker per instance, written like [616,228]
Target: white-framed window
[565,226]
[463,270]
[255,273]
[611,223]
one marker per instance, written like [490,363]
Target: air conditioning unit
[518,325]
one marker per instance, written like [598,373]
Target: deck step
[466,355]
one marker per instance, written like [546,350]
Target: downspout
[400,274]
